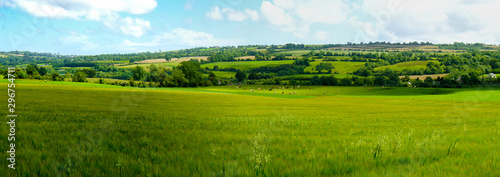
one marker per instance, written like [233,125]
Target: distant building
[492,76]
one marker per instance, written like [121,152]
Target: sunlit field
[84,129]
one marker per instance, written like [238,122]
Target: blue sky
[129,26]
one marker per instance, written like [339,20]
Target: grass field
[411,65]
[82,129]
[248,65]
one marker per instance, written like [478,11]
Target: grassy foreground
[78,129]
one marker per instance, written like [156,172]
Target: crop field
[411,65]
[340,66]
[83,129]
[247,65]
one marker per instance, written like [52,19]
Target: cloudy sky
[125,26]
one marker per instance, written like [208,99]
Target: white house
[492,76]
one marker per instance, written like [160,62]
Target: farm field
[224,131]
[411,65]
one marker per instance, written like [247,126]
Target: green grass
[82,129]
[340,67]
[247,65]
[411,65]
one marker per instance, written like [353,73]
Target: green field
[411,65]
[248,65]
[340,67]
[82,129]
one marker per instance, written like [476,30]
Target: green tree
[42,71]
[32,70]
[324,66]
[179,78]
[240,75]
[191,72]
[79,76]
[138,73]
[380,81]
[168,57]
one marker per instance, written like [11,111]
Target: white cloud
[252,14]
[322,35]
[217,13]
[96,10]
[233,15]
[79,40]
[182,37]
[297,16]
[444,21]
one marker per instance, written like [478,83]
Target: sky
[88,27]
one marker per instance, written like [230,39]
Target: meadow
[410,65]
[84,129]
[340,67]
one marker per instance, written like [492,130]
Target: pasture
[83,129]
[410,65]
[340,67]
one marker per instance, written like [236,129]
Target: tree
[138,73]
[216,68]
[90,72]
[56,77]
[42,71]
[380,81]
[191,72]
[32,70]
[346,82]
[154,73]
[212,78]
[79,76]
[253,76]
[179,78]
[168,57]
[324,66]
[240,75]
[394,79]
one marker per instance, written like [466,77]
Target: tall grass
[82,130]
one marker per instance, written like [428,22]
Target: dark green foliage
[79,76]
[191,71]
[138,73]
[241,76]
